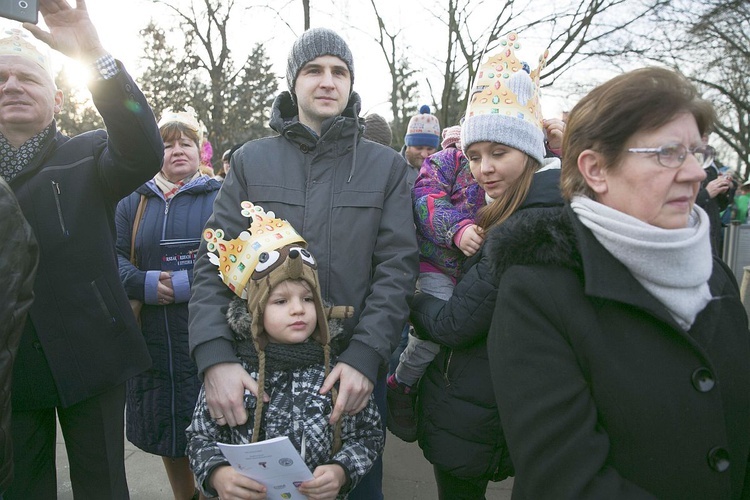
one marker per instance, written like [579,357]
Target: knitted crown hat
[313,43]
[17,45]
[377,129]
[423,129]
[504,105]
[451,137]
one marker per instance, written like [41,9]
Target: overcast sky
[119,22]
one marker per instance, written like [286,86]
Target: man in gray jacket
[349,198]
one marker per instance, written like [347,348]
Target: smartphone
[26,11]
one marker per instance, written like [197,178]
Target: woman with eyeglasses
[619,348]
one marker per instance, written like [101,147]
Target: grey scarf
[674,265]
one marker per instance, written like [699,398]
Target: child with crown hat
[285,337]
[502,137]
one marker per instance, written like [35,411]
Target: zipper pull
[56,186]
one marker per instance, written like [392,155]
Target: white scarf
[674,265]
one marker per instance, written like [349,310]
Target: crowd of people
[557,313]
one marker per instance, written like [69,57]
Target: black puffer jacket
[459,426]
[18,260]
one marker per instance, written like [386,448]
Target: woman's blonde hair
[499,210]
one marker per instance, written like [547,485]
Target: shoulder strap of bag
[137,222]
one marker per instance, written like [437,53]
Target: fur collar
[534,236]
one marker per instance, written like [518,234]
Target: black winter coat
[160,401]
[18,261]
[81,338]
[601,393]
[459,426]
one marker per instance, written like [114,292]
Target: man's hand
[225,385]
[70,30]
[554,129]
[327,483]
[231,485]
[718,186]
[471,240]
[354,390]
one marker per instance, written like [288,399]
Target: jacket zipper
[170,360]
[447,367]
[56,194]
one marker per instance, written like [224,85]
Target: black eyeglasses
[673,155]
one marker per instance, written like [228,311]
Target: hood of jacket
[339,133]
[538,233]
[541,235]
[285,121]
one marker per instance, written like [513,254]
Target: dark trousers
[371,485]
[452,488]
[94,439]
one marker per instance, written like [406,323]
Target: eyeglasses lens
[673,156]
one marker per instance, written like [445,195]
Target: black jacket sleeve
[465,317]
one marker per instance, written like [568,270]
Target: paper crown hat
[238,258]
[18,45]
[504,105]
[187,118]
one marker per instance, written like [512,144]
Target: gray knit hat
[377,129]
[504,105]
[314,43]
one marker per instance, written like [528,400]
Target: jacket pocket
[275,194]
[56,192]
[359,199]
[104,300]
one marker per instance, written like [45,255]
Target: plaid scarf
[170,188]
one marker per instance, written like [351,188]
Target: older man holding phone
[81,341]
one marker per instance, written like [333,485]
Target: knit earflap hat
[504,105]
[423,129]
[313,43]
[267,253]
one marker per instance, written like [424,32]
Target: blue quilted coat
[160,401]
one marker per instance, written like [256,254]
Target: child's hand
[232,485]
[554,130]
[471,240]
[327,483]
